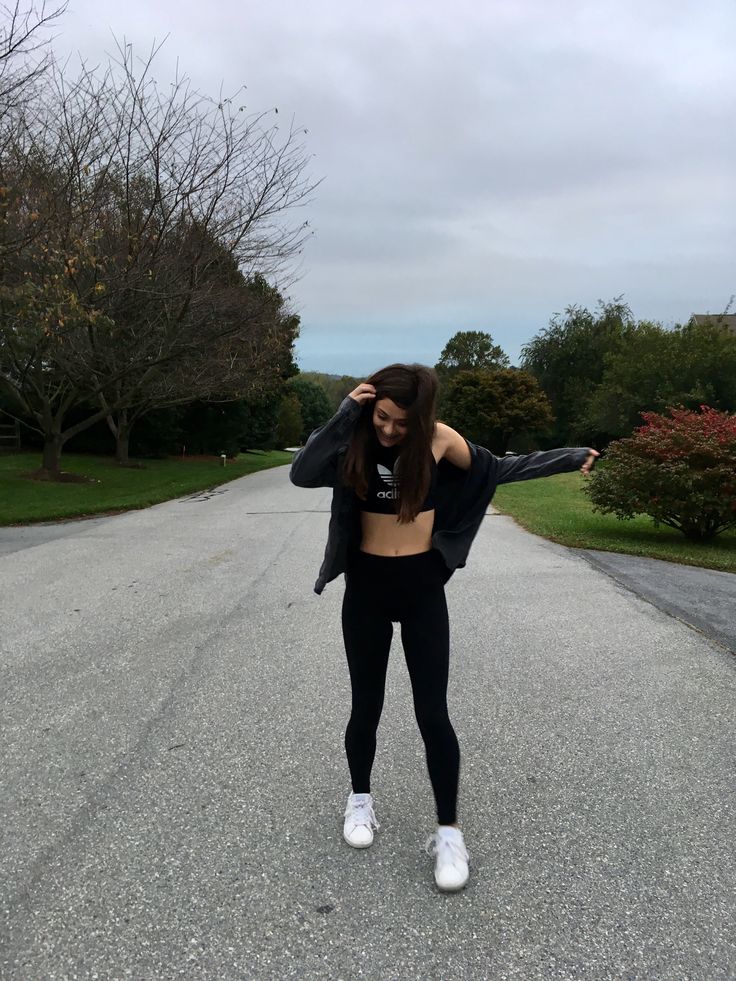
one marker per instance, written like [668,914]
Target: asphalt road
[174,699]
[703,598]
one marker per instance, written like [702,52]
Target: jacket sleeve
[315,464]
[542,463]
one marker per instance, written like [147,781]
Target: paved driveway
[174,701]
[703,598]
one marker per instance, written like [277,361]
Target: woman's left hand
[588,465]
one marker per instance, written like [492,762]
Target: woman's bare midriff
[383,535]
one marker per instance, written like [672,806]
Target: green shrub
[678,469]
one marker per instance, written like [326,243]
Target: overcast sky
[485,164]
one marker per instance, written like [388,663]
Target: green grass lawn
[557,508]
[115,488]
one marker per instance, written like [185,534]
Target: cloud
[483,165]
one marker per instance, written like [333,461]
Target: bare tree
[24,48]
[160,204]
[49,197]
[248,353]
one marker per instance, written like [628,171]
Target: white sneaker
[360,820]
[451,865]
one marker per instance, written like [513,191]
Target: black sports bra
[384,482]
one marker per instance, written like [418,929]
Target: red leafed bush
[679,469]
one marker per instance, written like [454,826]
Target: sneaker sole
[451,888]
[366,845]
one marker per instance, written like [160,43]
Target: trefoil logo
[388,477]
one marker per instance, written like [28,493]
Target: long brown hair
[413,387]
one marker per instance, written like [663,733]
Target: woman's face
[389,421]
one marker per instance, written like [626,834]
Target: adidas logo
[388,477]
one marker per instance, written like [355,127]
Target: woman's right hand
[363,393]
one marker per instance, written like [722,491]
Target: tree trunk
[120,428]
[51,466]
[121,446]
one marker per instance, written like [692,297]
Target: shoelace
[361,812]
[452,850]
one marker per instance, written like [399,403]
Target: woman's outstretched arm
[454,447]
[545,463]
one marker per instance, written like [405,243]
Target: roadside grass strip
[113,488]
[556,508]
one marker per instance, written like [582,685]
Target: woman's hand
[588,465]
[363,393]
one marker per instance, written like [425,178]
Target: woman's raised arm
[315,464]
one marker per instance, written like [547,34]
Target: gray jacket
[461,500]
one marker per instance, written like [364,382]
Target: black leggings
[409,589]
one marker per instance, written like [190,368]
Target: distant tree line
[602,370]
[586,379]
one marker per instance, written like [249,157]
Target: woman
[409,494]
